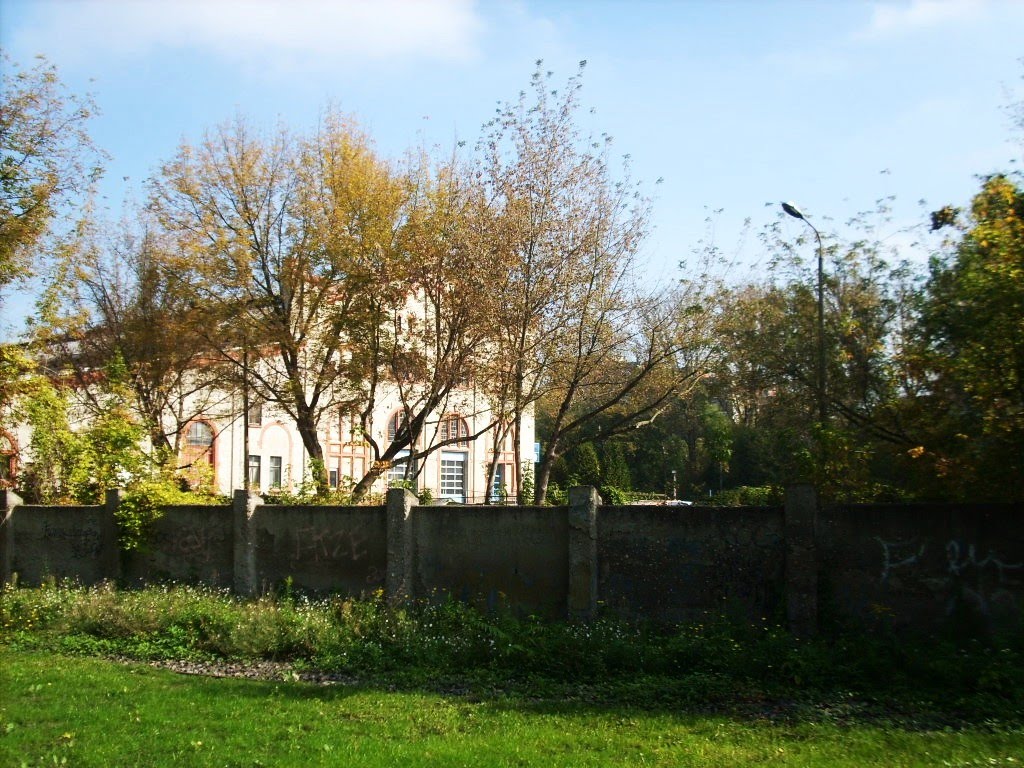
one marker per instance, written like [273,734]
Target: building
[459,442]
[224,448]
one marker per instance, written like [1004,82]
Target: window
[408,366]
[198,453]
[453,476]
[8,460]
[396,422]
[200,435]
[333,478]
[351,469]
[402,470]
[254,471]
[198,444]
[454,427]
[350,428]
[255,417]
[275,472]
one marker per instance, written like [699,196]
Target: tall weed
[445,639]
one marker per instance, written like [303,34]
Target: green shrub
[747,496]
[143,504]
[445,640]
[616,496]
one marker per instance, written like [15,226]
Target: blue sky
[734,104]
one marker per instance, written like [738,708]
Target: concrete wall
[63,543]
[922,565]
[321,549]
[518,556]
[189,544]
[918,568]
[676,563]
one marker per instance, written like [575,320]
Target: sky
[734,105]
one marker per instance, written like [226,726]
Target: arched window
[200,435]
[199,443]
[454,427]
[8,460]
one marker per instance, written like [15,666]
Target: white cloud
[894,18]
[262,32]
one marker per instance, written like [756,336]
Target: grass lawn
[66,710]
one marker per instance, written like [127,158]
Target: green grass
[59,710]
[443,684]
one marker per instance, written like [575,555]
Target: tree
[281,239]
[46,161]
[972,333]
[533,174]
[433,327]
[573,336]
[614,467]
[767,379]
[123,305]
[80,464]
[618,367]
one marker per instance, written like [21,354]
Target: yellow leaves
[916,452]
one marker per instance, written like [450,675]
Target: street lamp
[796,213]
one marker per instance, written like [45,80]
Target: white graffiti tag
[891,555]
[959,561]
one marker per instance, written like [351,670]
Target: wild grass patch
[715,665]
[66,710]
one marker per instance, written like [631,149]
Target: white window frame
[453,476]
[254,461]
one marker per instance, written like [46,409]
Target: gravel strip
[254,670]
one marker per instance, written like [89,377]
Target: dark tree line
[924,371]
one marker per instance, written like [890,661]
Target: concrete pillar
[113,565]
[9,500]
[400,548]
[245,504]
[582,597]
[801,515]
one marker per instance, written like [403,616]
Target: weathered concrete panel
[912,567]
[678,563]
[491,556]
[188,544]
[322,549]
[63,542]
[918,566]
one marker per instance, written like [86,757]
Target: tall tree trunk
[366,483]
[492,467]
[306,427]
[547,461]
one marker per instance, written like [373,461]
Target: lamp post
[796,213]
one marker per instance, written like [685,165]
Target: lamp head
[792,210]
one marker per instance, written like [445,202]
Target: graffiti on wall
[313,544]
[83,542]
[196,545]
[897,555]
[988,583]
